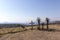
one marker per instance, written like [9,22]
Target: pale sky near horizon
[27,10]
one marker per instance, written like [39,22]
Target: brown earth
[32,35]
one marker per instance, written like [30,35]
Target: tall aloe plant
[38,21]
[47,21]
[32,24]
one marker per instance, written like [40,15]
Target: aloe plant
[38,21]
[47,21]
[42,26]
[32,24]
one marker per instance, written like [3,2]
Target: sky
[27,10]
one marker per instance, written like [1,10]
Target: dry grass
[10,30]
[30,34]
[18,29]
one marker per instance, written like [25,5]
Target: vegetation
[38,21]
[47,20]
[11,28]
[42,26]
[32,24]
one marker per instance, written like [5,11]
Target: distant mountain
[56,21]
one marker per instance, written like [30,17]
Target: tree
[47,21]
[38,21]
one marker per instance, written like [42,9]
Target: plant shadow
[49,30]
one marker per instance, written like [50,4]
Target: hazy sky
[27,10]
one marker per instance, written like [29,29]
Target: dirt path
[32,35]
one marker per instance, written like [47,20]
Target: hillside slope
[32,35]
